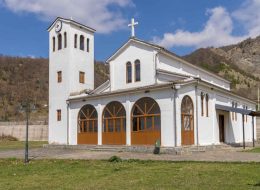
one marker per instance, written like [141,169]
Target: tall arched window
[207,105]
[82,41]
[75,41]
[187,120]
[146,122]
[87,44]
[53,44]
[202,103]
[59,41]
[128,72]
[65,39]
[236,112]
[137,70]
[232,113]
[87,125]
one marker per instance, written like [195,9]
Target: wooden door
[221,128]
[187,121]
[187,131]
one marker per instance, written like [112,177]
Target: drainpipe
[176,88]
[68,104]
[155,66]
[253,131]
[197,115]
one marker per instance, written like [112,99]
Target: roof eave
[71,21]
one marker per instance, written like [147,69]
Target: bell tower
[71,70]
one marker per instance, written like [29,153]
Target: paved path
[56,153]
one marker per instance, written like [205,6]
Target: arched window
[65,39]
[59,41]
[128,72]
[233,105]
[236,112]
[87,44]
[81,42]
[87,125]
[137,70]
[53,44]
[146,122]
[75,41]
[114,124]
[202,103]
[207,105]
[187,121]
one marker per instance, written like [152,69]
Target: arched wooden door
[146,122]
[114,124]
[187,121]
[87,125]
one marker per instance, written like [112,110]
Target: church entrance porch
[87,125]
[114,124]
[146,122]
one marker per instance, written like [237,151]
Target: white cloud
[249,16]
[218,29]
[94,13]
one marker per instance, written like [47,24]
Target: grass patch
[15,145]
[255,150]
[134,174]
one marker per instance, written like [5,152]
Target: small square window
[81,77]
[59,76]
[58,115]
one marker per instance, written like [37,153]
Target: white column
[128,123]
[213,117]
[99,110]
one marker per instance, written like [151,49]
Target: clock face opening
[58,26]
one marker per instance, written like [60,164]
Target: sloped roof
[73,22]
[164,51]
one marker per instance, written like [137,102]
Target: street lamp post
[27,107]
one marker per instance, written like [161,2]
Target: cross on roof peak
[132,25]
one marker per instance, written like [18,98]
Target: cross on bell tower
[132,25]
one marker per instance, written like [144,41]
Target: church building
[152,95]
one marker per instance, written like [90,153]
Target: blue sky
[179,25]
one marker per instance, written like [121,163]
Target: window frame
[76,41]
[137,62]
[53,44]
[58,114]
[202,103]
[65,39]
[59,41]
[82,42]
[87,44]
[129,69]
[81,77]
[59,76]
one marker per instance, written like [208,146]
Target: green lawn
[256,150]
[69,174]
[13,145]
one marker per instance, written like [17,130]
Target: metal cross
[132,25]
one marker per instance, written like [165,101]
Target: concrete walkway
[234,155]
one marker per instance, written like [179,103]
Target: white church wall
[170,64]
[206,125]
[118,67]
[69,61]
[162,97]
[233,127]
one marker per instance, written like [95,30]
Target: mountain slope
[22,78]
[238,63]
